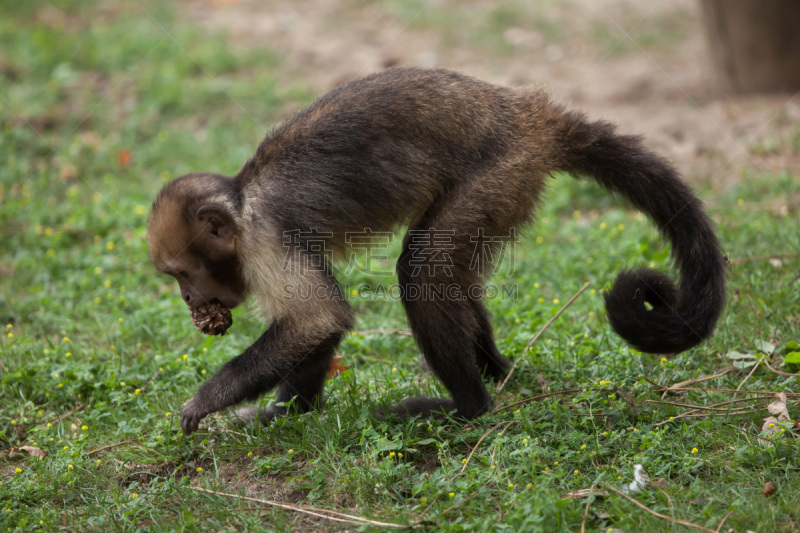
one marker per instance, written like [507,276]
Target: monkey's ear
[219,221]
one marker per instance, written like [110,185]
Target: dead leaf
[34,451]
[778,407]
[770,428]
[14,453]
[19,452]
[336,368]
[124,157]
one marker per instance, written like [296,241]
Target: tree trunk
[755,44]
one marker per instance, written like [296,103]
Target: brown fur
[433,150]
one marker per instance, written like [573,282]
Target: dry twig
[713,407]
[780,373]
[694,411]
[539,334]
[665,517]
[534,399]
[101,448]
[740,260]
[234,432]
[507,424]
[328,514]
[752,370]
[692,414]
[669,500]
[731,391]
[586,513]
[719,527]
[678,386]
[68,414]
[459,502]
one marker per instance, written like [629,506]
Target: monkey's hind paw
[247,416]
[212,319]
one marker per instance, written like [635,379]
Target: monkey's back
[380,151]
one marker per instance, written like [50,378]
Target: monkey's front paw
[191,415]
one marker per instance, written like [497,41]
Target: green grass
[101,351]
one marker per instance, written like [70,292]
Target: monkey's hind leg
[490,361]
[447,331]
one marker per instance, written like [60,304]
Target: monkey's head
[192,235]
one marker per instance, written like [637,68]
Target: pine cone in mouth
[212,319]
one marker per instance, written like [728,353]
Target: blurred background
[646,65]
[650,66]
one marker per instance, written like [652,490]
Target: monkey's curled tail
[682,315]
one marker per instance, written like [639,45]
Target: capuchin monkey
[442,154]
